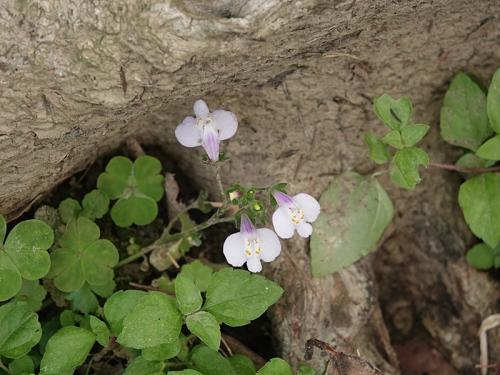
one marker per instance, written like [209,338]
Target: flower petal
[187,133]
[283,199]
[270,244]
[225,123]
[247,228]
[234,250]
[309,205]
[304,229]
[254,265]
[200,108]
[282,223]
[210,142]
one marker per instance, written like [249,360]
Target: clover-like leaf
[137,187]
[82,257]
[24,255]
[32,293]
[393,113]
[83,300]
[404,166]
[237,297]
[490,149]
[493,102]
[377,148]
[19,329]
[69,209]
[480,204]
[95,204]
[154,320]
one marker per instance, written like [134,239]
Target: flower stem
[167,237]
[452,167]
[219,182]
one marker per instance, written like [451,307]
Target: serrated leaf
[199,273]
[22,366]
[162,352]
[481,257]
[242,365]
[141,366]
[393,113]
[82,257]
[412,134]
[83,300]
[95,204]
[493,102]
[464,121]
[119,305]
[404,167]
[154,320]
[187,294]
[66,350]
[204,325]
[210,362]
[355,212]
[100,330]
[19,329]
[237,297]
[480,203]
[377,149]
[69,209]
[32,293]
[275,366]
[490,150]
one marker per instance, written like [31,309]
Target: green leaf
[95,204]
[377,149]
[68,318]
[472,161]
[490,149]
[154,320]
[119,305]
[104,290]
[393,138]
[69,209]
[393,113]
[184,372]
[480,203]
[66,350]
[242,365]
[162,352]
[27,245]
[275,366]
[493,102]
[464,121]
[412,134]
[100,330]
[305,369]
[83,257]
[481,257]
[355,211]
[32,293]
[10,278]
[404,167]
[3,229]
[199,273]
[134,210]
[188,295]
[137,187]
[83,300]
[141,366]
[204,325]
[210,362]
[19,329]
[236,297]
[22,366]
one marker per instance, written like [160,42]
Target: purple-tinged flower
[294,213]
[251,245]
[207,129]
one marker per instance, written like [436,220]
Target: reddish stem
[452,167]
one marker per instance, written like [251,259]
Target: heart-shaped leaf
[82,257]
[393,113]
[404,167]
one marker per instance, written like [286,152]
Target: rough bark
[78,77]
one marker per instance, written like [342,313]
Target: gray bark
[78,77]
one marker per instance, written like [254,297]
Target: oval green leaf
[204,325]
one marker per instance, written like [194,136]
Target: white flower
[207,129]
[294,213]
[251,245]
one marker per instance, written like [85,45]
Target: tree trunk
[78,77]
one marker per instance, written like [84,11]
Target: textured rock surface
[77,78]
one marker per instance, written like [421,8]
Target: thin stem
[219,182]
[167,237]
[4,368]
[456,168]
